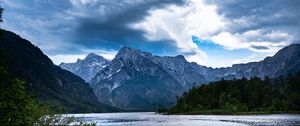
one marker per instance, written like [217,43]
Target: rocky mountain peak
[126,49]
[127,53]
[93,56]
[288,52]
[88,67]
[180,57]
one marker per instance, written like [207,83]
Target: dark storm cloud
[280,15]
[259,47]
[114,31]
[239,8]
[61,27]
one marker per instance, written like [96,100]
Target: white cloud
[271,40]
[228,40]
[69,58]
[180,23]
[57,59]
[199,57]
[255,57]
[108,54]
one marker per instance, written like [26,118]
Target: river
[152,119]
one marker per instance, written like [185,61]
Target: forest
[241,96]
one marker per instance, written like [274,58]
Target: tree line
[241,96]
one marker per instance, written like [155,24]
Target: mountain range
[286,61]
[140,80]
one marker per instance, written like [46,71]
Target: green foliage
[162,110]
[242,95]
[15,105]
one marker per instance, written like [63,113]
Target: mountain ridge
[272,67]
[131,68]
[42,78]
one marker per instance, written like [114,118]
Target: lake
[152,119]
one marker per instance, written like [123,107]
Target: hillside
[45,80]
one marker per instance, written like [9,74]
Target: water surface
[152,119]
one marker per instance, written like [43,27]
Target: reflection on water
[152,119]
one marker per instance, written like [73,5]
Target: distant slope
[88,67]
[49,82]
[286,61]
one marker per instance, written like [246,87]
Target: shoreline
[232,113]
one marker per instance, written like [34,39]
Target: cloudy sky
[214,33]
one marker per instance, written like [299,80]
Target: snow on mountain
[88,67]
[138,80]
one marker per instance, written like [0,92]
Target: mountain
[47,81]
[286,61]
[138,80]
[180,69]
[88,67]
